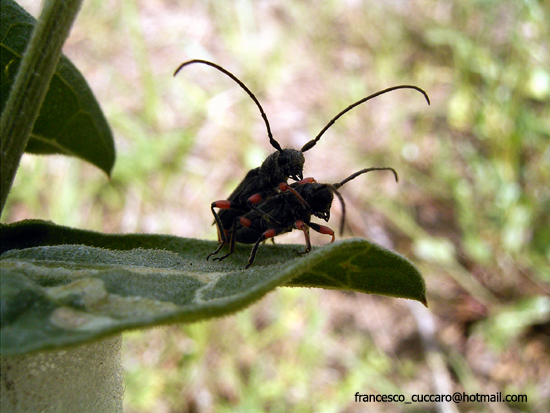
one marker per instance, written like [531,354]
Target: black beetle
[290,209]
[261,183]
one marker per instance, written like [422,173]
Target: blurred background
[470,209]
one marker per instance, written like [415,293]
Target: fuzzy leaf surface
[62,286]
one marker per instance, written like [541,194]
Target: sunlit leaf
[55,293]
[70,120]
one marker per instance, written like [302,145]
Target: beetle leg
[265,216]
[270,233]
[231,243]
[322,229]
[220,246]
[223,204]
[253,201]
[221,233]
[303,227]
[309,180]
[283,186]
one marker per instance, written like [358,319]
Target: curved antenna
[312,142]
[334,188]
[363,171]
[272,141]
[343,217]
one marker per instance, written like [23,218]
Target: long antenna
[312,142]
[335,187]
[363,171]
[273,142]
[343,216]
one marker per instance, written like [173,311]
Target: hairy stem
[31,84]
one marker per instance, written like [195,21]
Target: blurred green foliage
[471,208]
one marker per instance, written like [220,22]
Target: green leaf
[70,120]
[56,294]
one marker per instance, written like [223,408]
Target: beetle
[290,209]
[262,182]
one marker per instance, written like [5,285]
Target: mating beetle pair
[263,205]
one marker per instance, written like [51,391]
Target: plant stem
[84,378]
[31,84]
